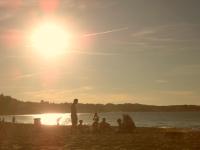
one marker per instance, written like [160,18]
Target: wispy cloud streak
[94,53]
[106,32]
[30,75]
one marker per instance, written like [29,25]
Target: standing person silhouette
[74,117]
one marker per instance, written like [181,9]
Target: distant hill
[9,105]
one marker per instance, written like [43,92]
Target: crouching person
[104,126]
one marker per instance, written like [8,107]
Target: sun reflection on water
[53,118]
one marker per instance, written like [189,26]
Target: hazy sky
[136,51]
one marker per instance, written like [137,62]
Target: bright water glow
[52,118]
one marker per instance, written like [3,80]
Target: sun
[49,39]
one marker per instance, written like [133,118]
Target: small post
[37,121]
[13,119]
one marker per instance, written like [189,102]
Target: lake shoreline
[28,136]
[141,119]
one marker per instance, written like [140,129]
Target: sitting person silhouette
[104,126]
[80,126]
[128,124]
[120,126]
[95,126]
[80,123]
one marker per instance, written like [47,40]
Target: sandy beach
[29,137]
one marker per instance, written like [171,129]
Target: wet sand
[29,137]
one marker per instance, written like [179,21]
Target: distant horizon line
[66,102]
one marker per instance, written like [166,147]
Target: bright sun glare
[52,118]
[50,39]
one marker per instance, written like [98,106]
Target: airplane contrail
[106,32]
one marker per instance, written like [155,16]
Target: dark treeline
[9,105]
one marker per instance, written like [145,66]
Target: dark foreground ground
[29,137]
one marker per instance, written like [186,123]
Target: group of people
[100,126]
[125,125]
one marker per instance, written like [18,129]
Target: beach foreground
[30,137]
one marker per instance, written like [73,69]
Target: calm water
[142,119]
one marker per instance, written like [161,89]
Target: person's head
[81,122]
[75,101]
[119,121]
[104,119]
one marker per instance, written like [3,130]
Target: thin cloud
[161,81]
[14,56]
[106,32]
[30,75]
[5,16]
[179,93]
[169,34]
[94,53]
